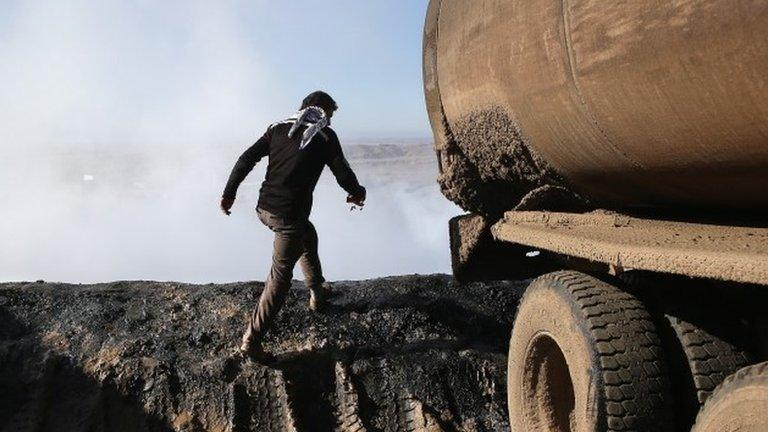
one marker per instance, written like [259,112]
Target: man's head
[321,99]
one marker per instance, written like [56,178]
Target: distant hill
[388,151]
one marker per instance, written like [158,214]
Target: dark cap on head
[320,99]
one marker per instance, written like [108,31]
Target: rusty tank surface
[616,153]
[624,103]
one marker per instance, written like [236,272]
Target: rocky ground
[413,353]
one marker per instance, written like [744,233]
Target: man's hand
[359,199]
[226,205]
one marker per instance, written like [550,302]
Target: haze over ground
[120,121]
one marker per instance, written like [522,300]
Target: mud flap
[477,256]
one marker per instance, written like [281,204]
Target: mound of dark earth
[414,353]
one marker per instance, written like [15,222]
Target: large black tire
[584,356]
[700,360]
[702,342]
[739,404]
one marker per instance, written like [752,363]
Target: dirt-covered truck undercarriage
[619,152]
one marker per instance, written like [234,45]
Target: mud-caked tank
[626,143]
[627,103]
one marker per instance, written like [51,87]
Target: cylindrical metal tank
[634,103]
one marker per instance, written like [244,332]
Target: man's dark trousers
[295,241]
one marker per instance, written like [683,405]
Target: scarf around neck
[313,117]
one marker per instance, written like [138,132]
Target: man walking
[298,149]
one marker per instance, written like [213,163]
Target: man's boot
[318,297]
[251,348]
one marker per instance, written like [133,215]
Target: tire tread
[748,376]
[710,358]
[634,374]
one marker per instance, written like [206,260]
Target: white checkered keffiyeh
[314,118]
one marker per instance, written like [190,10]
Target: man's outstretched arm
[242,168]
[344,174]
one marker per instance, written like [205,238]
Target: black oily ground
[387,353]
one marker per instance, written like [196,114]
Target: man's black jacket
[292,172]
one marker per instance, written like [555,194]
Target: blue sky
[176,72]
[368,53]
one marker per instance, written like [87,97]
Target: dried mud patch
[488,167]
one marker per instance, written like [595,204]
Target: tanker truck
[615,152]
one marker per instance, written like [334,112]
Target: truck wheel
[699,361]
[585,356]
[701,343]
[740,403]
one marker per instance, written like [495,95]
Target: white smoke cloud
[119,123]
[165,73]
